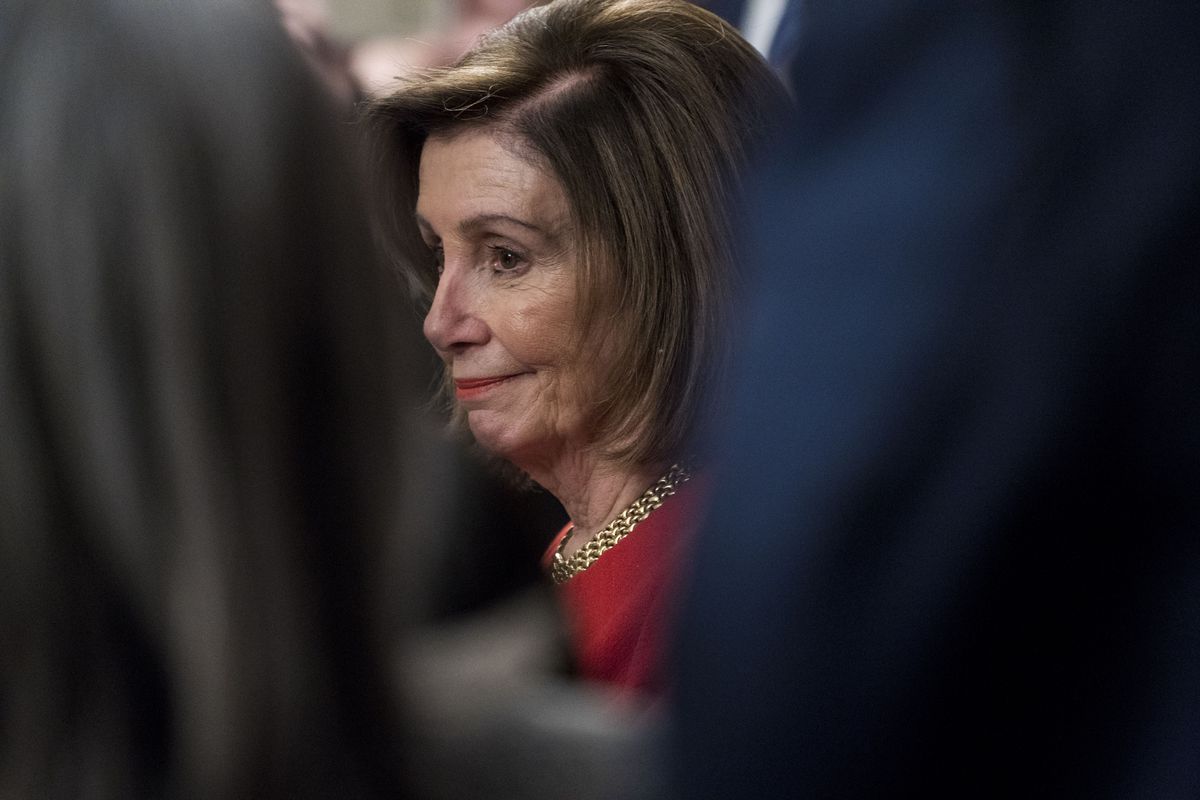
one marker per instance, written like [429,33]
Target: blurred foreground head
[196,410]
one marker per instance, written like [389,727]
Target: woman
[559,197]
[198,449]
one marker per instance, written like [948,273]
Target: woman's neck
[595,491]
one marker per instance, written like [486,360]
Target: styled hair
[198,398]
[645,111]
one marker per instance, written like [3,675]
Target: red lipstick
[470,388]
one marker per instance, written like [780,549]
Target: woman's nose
[453,323]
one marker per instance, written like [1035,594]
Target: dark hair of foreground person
[197,407]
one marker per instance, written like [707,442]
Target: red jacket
[620,609]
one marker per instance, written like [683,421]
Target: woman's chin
[526,446]
[497,437]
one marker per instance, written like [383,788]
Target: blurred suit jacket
[955,548]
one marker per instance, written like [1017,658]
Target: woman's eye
[439,257]
[505,260]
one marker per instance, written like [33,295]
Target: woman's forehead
[476,176]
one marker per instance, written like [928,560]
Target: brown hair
[645,111]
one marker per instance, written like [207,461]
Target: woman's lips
[471,388]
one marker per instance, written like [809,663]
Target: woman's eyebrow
[473,224]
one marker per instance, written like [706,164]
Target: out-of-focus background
[376,41]
[358,19]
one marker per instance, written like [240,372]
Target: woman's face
[503,314]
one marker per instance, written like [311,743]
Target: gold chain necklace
[563,569]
